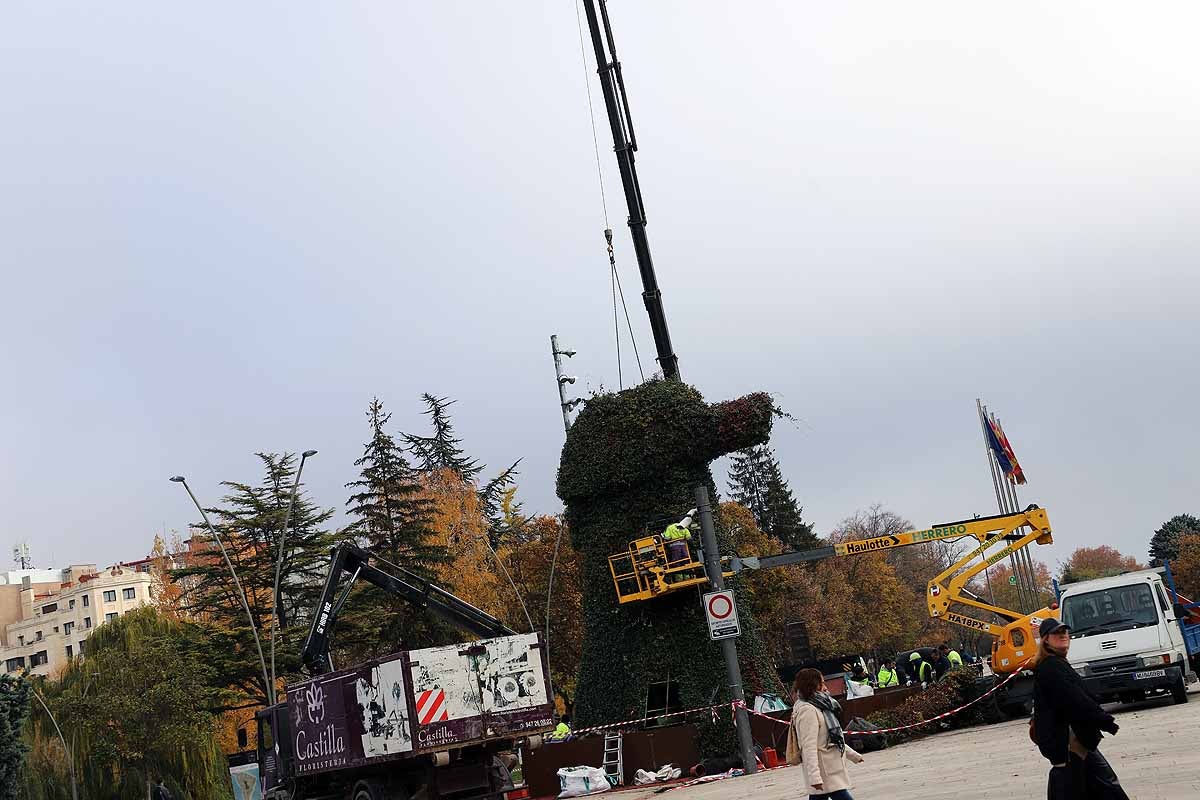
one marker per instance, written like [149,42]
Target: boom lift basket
[646,570]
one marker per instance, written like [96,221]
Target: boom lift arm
[949,587]
[644,572]
[404,583]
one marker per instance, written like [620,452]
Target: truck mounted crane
[432,723]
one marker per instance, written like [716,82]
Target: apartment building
[56,618]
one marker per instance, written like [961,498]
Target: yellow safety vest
[887,678]
[675,531]
[955,658]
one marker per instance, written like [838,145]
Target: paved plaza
[1156,755]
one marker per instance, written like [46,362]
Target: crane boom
[405,584]
[612,86]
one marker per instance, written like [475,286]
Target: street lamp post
[237,583]
[279,566]
[61,738]
[86,686]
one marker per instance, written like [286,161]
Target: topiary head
[639,436]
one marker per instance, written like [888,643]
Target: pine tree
[441,450]
[14,710]
[497,503]
[747,480]
[1164,545]
[391,516]
[756,482]
[250,523]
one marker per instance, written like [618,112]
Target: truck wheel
[366,790]
[1179,691]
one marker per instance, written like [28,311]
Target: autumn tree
[1186,566]
[771,592]
[250,523]
[1006,593]
[166,593]
[756,482]
[458,526]
[467,521]
[1164,544]
[1103,561]
[542,555]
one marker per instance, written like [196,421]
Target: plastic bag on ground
[582,781]
[764,703]
[668,772]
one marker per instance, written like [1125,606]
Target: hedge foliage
[632,459]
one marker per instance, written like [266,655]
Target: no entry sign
[721,612]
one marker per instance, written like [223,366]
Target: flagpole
[1023,558]
[1010,490]
[1030,572]
[1001,499]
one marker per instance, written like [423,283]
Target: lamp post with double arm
[237,584]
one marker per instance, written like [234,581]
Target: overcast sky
[225,227]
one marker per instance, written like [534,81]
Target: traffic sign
[721,611]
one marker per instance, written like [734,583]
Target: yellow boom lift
[644,572]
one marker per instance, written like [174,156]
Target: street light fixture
[61,738]
[237,583]
[279,566]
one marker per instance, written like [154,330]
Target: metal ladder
[614,759]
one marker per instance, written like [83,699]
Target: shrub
[957,688]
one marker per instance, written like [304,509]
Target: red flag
[1016,473]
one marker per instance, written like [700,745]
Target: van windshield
[1117,609]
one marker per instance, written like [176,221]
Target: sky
[227,227]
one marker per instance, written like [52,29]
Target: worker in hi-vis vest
[922,668]
[952,656]
[887,676]
[676,538]
[562,731]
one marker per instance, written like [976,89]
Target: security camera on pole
[565,404]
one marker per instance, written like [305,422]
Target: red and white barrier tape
[733,707]
[938,718]
[641,720]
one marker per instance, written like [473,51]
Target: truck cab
[1129,637]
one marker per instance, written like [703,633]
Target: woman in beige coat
[815,739]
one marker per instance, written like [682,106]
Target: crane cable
[617,291]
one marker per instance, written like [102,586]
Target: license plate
[1151,673]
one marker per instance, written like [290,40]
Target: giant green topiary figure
[631,458]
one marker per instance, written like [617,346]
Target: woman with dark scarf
[815,739]
[1067,722]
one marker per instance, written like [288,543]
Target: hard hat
[915,657]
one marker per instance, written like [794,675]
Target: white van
[1130,637]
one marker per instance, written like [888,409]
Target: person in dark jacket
[941,663]
[1067,724]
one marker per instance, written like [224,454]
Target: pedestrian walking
[1067,722]
[816,741]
